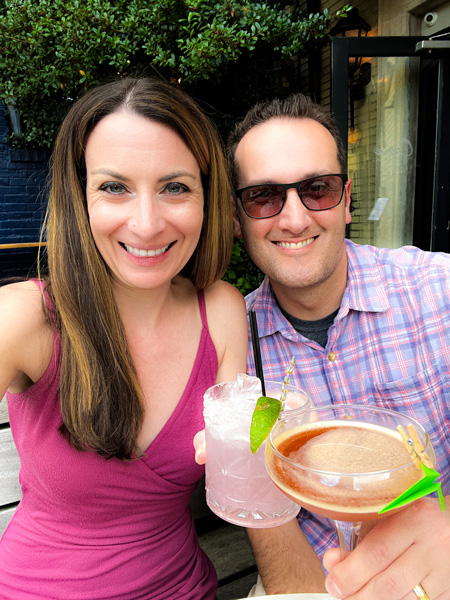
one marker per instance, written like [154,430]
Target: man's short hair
[295,106]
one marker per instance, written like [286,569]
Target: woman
[107,360]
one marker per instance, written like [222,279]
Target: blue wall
[23,175]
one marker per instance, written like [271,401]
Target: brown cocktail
[343,462]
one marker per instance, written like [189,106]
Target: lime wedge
[264,416]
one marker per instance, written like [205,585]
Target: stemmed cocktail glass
[346,462]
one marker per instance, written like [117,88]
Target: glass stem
[348,535]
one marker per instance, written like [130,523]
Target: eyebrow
[276,181]
[168,177]
[112,174]
[176,174]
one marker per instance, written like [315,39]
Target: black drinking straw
[257,350]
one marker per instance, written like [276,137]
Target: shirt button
[332,357]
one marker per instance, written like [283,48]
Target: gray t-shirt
[316,331]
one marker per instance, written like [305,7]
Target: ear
[236,220]
[348,216]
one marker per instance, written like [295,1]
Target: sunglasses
[316,193]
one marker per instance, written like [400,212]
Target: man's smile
[295,245]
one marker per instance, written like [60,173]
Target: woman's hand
[200,447]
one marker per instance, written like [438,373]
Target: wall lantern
[359,73]
[352,25]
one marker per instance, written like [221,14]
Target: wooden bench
[9,470]
[228,548]
[226,545]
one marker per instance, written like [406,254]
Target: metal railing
[22,245]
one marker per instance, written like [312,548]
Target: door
[388,97]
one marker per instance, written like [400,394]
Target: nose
[294,216]
[147,218]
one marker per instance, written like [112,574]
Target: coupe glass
[345,462]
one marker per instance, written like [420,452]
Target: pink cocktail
[238,488]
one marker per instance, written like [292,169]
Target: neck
[316,301]
[142,305]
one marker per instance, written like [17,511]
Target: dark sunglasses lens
[261,201]
[321,193]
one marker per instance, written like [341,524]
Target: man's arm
[286,561]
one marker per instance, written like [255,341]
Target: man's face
[297,248]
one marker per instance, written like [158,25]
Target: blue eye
[113,187]
[176,188]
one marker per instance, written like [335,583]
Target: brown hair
[101,401]
[295,106]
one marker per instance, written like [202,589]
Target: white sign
[377,210]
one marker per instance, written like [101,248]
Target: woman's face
[144,198]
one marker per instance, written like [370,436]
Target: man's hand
[200,447]
[403,550]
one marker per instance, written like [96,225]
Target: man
[365,325]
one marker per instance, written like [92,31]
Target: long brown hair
[102,405]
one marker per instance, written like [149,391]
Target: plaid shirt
[389,346]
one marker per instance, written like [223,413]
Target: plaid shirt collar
[364,292]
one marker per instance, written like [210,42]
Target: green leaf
[423,487]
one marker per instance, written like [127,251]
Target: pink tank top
[94,529]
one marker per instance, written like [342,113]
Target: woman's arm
[26,342]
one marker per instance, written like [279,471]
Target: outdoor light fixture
[359,73]
[352,25]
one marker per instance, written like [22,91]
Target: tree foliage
[242,272]
[225,53]
[51,51]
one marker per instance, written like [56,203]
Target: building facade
[23,175]
[397,126]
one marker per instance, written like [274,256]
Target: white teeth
[294,246]
[139,252]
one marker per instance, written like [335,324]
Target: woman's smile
[143,252]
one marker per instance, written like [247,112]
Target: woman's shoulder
[219,295]
[225,296]
[224,302]
[225,307]
[227,322]
[20,295]
[27,340]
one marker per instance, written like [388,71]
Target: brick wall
[23,176]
